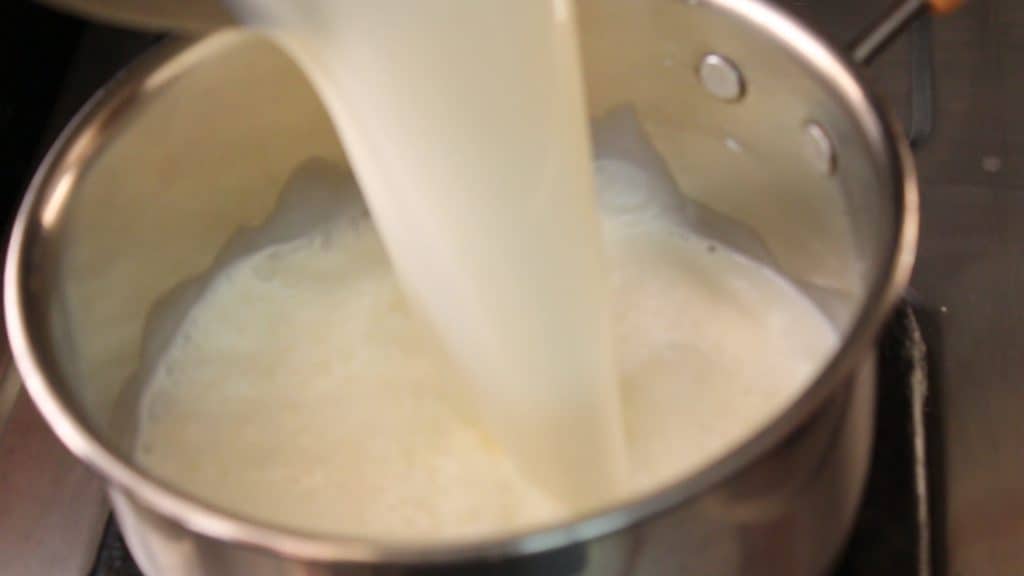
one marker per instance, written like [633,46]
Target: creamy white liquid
[465,123]
[303,390]
[494,359]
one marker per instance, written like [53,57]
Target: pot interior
[190,148]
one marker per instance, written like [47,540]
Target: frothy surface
[303,390]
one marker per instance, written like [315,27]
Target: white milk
[302,390]
[498,357]
[465,123]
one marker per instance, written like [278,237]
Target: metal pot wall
[194,142]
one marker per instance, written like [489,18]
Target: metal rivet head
[721,77]
[819,148]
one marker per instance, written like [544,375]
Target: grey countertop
[969,273]
[970,270]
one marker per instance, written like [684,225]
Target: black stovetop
[893,533]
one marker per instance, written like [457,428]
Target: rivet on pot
[721,77]
[819,148]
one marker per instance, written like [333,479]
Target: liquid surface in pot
[302,388]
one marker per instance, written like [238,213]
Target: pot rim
[84,136]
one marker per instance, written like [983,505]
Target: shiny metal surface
[161,169]
[887,28]
[721,77]
[52,507]
[821,151]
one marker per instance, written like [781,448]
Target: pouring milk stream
[465,123]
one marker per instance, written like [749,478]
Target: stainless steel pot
[194,141]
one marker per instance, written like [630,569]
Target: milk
[490,351]
[465,123]
[302,387]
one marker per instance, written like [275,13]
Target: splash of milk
[465,124]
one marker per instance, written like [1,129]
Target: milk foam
[302,388]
